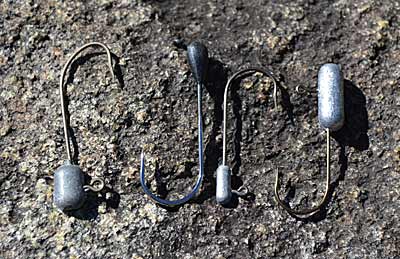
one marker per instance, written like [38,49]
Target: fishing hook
[198,60]
[69,188]
[331,117]
[223,188]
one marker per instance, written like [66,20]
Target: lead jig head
[223,189]
[198,60]
[331,118]
[69,184]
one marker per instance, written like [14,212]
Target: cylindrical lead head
[330,97]
[68,187]
[198,60]
[224,192]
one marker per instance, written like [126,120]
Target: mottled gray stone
[155,109]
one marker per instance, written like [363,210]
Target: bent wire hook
[198,60]
[69,188]
[223,189]
[331,117]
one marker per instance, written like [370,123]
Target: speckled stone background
[151,104]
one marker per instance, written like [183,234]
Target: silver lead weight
[330,97]
[224,191]
[68,187]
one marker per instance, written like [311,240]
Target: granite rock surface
[151,105]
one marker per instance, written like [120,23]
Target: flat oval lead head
[198,60]
[68,187]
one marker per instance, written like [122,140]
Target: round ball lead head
[330,97]
[198,60]
[68,187]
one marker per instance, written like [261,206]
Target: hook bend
[324,199]
[197,55]
[173,203]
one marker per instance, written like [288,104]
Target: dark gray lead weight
[198,61]
[223,192]
[330,97]
[68,187]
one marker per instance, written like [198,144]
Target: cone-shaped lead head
[198,60]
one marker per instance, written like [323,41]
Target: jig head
[223,189]
[198,59]
[69,184]
[331,118]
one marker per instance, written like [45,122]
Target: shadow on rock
[354,131]
[90,209]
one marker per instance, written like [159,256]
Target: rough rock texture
[152,105]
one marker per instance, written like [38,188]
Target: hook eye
[241,192]
[96,185]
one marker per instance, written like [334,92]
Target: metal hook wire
[228,84]
[63,92]
[224,192]
[324,198]
[198,59]
[97,184]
